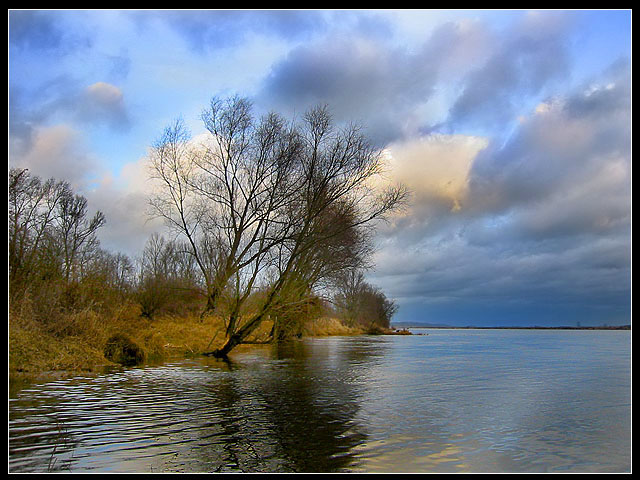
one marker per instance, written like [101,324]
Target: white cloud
[436,168]
[101,102]
[57,152]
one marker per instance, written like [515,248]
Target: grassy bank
[323,327]
[76,342]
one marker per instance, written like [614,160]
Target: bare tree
[269,206]
[225,196]
[75,232]
[165,279]
[32,210]
[52,243]
[334,204]
[359,303]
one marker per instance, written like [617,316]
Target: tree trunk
[232,342]
[237,338]
[212,298]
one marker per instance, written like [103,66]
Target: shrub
[121,349]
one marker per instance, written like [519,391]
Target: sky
[512,130]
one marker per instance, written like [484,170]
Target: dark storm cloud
[546,221]
[455,278]
[491,74]
[363,76]
[361,81]
[568,144]
[614,97]
[531,55]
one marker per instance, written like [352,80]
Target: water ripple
[453,401]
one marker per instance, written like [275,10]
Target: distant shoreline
[449,327]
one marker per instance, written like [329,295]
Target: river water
[445,401]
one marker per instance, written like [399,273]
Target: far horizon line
[512,327]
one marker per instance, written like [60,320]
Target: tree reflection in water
[292,411]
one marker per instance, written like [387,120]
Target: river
[444,401]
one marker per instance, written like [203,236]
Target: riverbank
[76,343]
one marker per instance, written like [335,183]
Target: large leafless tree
[269,206]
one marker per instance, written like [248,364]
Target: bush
[121,349]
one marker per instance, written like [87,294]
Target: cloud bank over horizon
[511,128]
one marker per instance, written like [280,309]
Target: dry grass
[34,348]
[322,327]
[75,342]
